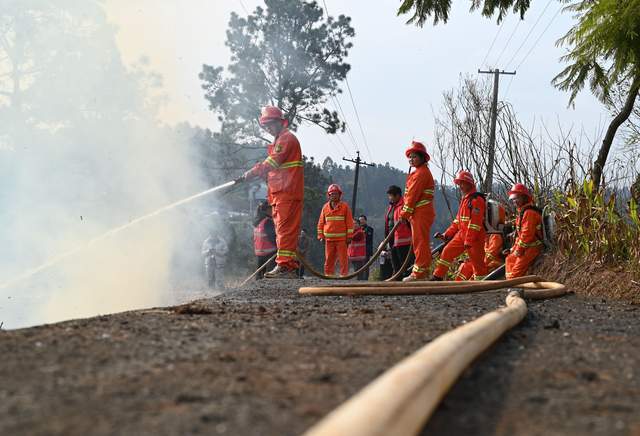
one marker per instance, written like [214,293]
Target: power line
[353,103]
[495,38]
[325,7]
[344,147]
[349,132]
[531,49]
[358,117]
[508,41]
[528,34]
[540,37]
[243,7]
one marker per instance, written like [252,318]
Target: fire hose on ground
[401,400]
[366,266]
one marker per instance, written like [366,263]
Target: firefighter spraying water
[283,170]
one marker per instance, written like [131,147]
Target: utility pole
[358,162]
[488,181]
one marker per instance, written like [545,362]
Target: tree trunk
[598,165]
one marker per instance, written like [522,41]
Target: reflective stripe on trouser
[465,272]
[518,266]
[287,217]
[335,250]
[455,248]
[421,222]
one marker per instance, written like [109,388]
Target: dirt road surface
[266,361]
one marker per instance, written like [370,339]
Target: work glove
[441,236]
[241,179]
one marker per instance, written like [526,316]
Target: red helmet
[464,176]
[519,189]
[334,188]
[270,113]
[418,147]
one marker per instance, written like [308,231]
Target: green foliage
[591,226]
[605,46]
[421,10]
[286,55]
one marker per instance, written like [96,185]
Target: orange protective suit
[466,234]
[418,209]
[492,257]
[528,244]
[335,227]
[284,171]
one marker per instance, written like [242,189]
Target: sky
[398,74]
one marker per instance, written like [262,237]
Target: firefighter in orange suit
[284,172]
[529,238]
[493,258]
[466,234]
[418,208]
[335,227]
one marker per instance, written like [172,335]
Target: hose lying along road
[402,399]
[535,288]
[365,267]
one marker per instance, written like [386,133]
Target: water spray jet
[59,258]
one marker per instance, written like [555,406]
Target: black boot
[435,279]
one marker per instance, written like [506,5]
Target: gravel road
[265,361]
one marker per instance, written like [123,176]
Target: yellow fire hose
[256,272]
[402,399]
[365,267]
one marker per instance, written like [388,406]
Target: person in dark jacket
[368,231]
[303,248]
[400,243]
[264,237]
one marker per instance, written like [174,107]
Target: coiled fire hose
[401,400]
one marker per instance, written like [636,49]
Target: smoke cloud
[81,152]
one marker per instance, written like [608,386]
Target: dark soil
[265,361]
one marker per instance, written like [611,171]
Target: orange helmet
[270,113]
[334,188]
[519,189]
[418,147]
[464,176]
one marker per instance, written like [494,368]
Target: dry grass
[591,278]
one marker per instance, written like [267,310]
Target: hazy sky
[398,71]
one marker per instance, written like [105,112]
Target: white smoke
[81,153]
